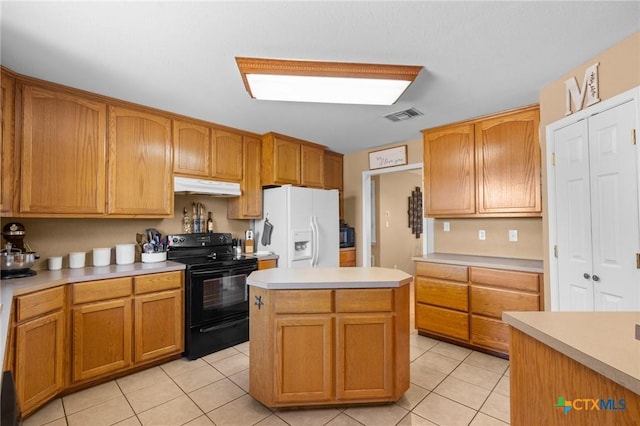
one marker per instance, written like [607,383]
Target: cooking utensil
[15,260]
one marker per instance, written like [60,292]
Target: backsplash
[59,237]
[462,237]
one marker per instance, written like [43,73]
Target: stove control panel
[199,240]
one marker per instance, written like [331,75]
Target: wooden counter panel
[371,300]
[303,301]
[442,321]
[442,271]
[539,375]
[442,293]
[492,301]
[38,303]
[514,280]
[93,291]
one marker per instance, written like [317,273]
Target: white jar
[125,254]
[101,256]
[76,259]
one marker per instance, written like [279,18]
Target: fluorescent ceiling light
[328,82]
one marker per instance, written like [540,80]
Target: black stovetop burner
[22,273]
[204,249]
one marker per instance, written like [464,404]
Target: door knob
[586,276]
[596,278]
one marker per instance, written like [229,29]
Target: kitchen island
[574,368]
[328,336]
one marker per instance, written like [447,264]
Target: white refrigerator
[301,226]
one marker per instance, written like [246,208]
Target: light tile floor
[450,385]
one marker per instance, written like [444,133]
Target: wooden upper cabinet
[227,155]
[333,170]
[192,149]
[140,163]
[312,166]
[7,144]
[449,179]
[249,204]
[508,163]
[63,153]
[485,167]
[286,160]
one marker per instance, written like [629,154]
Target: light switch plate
[513,235]
[482,235]
[447,227]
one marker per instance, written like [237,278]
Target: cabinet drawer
[370,300]
[157,282]
[442,271]
[38,303]
[490,333]
[92,291]
[267,264]
[492,301]
[442,321]
[303,301]
[442,293]
[514,280]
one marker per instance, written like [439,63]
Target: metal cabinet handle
[596,278]
[586,276]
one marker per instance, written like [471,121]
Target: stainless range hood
[183,185]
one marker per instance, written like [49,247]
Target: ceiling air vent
[403,115]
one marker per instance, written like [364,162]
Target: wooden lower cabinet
[101,338]
[328,347]
[305,361]
[347,257]
[107,329]
[364,349]
[267,263]
[465,304]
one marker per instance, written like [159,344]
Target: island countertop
[602,341]
[327,278]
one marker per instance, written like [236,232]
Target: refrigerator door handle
[315,241]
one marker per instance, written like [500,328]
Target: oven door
[218,294]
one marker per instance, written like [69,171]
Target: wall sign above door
[396,156]
[589,90]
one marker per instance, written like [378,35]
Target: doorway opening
[370,215]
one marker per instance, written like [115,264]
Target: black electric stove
[216,291]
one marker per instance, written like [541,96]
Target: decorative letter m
[589,88]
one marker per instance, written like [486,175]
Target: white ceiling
[478,57]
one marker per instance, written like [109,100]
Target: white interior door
[574,217]
[597,212]
[614,209]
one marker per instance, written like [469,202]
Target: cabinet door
[304,358]
[39,360]
[63,153]
[191,149]
[7,144]
[449,171]
[312,167]
[158,325]
[101,338]
[508,164]
[286,162]
[227,156]
[249,204]
[333,170]
[140,163]
[365,364]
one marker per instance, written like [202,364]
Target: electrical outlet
[513,235]
[447,227]
[482,235]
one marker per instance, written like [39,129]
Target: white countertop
[328,278]
[48,279]
[522,265]
[602,341]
